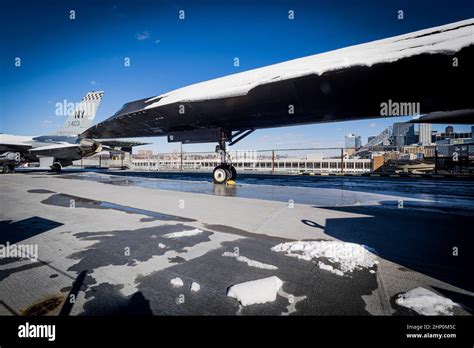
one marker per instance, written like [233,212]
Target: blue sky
[62,59]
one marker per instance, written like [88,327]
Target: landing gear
[221,174]
[56,167]
[8,168]
[233,173]
[8,161]
[224,172]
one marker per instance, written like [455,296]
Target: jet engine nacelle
[10,157]
[89,147]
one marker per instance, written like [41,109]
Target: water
[322,191]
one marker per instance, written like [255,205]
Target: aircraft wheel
[56,167]
[6,169]
[221,174]
[233,173]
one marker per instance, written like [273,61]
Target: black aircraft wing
[447,117]
[420,73]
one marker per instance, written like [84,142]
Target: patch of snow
[348,256]
[183,234]
[177,282]
[161,245]
[329,268]
[251,263]
[426,302]
[130,274]
[256,291]
[195,287]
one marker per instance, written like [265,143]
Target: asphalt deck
[109,250]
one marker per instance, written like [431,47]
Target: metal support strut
[225,171]
[222,150]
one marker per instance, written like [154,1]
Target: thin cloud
[143,36]
[47,124]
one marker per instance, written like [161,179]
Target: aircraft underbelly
[424,82]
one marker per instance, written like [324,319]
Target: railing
[101,162]
[317,160]
[441,159]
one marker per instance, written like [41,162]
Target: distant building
[454,141]
[424,134]
[375,143]
[407,156]
[390,131]
[370,138]
[314,157]
[382,139]
[451,137]
[353,141]
[144,154]
[289,165]
[404,134]
[428,151]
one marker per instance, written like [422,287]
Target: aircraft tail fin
[83,116]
